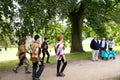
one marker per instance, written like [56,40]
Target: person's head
[37,38]
[111,38]
[95,37]
[22,41]
[60,38]
[103,39]
[46,39]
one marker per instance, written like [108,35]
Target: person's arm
[105,44]
[91,44]
[64,58]
[39,52]
[100,44]
[39,59]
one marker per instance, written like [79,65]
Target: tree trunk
[76,19]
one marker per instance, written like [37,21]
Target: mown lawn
[8,59]
[70,57]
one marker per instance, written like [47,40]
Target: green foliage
[99,13]
[39,16]
[6,15]
[113,30]
[113,23]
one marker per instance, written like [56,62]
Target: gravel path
[75,70]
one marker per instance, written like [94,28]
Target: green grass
[73,56]
[8,64]
[117,49]
[8,59]
[10,54]
[78,56]
[69,57]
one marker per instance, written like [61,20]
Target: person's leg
[43,52]
[110,49]
[40,70]
[64,66]
[93,55]
[48,56]
[27,65]
[58,67]
[96,55]
[18,65]
[34,68]
[100,50]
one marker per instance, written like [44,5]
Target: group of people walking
[97,46]
[37,60]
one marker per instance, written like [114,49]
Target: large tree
[94,11]
[36,15]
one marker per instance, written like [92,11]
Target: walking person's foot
[27,72]
[60,74]
[37,79]
[14,70]
[93,60]
[48,62]
[96,60]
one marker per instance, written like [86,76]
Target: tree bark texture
[76,19]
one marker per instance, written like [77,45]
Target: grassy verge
[8,64]
[70,57]
[117,49]
[78,56]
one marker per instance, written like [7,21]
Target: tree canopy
[83,18]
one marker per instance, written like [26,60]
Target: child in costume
[22,56]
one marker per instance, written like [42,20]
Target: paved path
[75,70]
